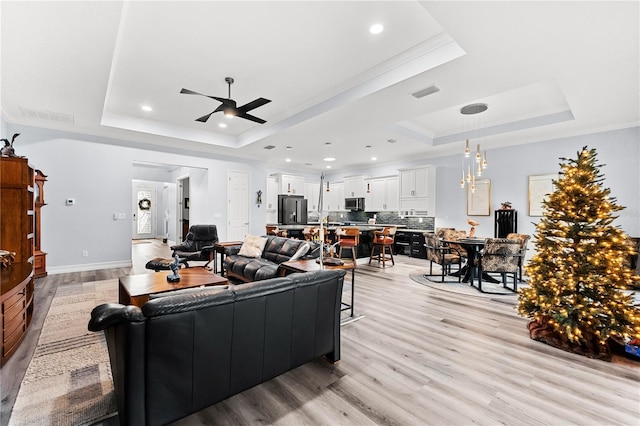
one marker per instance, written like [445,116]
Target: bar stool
[348,238]
[382,240]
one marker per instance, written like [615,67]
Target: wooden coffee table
[135,289]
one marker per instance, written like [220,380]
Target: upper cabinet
[334,199]
[290,184]
[382,194]
[312,194]
[418,190]
[272,194]
[354,187]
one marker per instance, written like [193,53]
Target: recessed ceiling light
[376,29]
[329,159]
[146,108]
[288,160]
[289,148]
[374,158]
[328,167]
[223,125]
[392,140]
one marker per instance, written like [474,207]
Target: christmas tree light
[579,270]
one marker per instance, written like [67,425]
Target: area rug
[68,381]
[451,284]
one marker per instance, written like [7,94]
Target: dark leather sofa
[192,348]
[276,251]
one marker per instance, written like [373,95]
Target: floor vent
[47,115]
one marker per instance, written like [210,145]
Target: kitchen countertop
[333,225]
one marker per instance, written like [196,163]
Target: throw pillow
[252,246]
[304,248]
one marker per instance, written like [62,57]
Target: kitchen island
[366,233]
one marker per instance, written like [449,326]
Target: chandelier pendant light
[480,156]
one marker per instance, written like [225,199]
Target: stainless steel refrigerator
[292,210]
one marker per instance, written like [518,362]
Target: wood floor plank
[420,356]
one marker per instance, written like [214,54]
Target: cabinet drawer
[12,300]
[13,311]
[13,324]
[11,340]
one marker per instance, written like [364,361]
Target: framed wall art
[479,202]
[539,187]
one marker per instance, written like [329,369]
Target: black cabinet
[411,244]
[506,223]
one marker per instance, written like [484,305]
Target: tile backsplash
[391,218]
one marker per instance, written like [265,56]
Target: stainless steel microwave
[354,204]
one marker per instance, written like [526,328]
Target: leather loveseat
[192,348]
[276,250]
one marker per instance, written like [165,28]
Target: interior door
[144,212]
[238,208]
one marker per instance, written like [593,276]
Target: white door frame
[179,205]
[237,225]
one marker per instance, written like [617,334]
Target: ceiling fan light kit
[229,107]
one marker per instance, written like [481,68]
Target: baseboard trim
[52,270]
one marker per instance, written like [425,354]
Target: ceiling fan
[228,105]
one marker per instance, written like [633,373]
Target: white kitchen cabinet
[383,194]
[271,197]
[334,199]
[290,184]
[312,193]
[354,187]
[418,190]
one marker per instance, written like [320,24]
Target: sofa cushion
[252,246]
[252,269]
[280,249]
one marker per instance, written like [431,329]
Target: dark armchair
[198,245]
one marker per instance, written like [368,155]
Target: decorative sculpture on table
[175,266]
[472,231]
[506,205]
[7,150]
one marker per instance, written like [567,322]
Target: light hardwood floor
[427,356]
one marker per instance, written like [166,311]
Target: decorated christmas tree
[577,276]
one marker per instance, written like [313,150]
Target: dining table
[472,246]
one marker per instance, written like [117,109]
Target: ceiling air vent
[269,147]
[424,92]
[47,115]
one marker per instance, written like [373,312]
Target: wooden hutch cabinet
[40,257]
[17,232]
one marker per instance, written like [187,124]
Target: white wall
[509,170]
[99,177]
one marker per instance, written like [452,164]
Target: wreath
[144,204]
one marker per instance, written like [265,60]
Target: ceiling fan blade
[204,118]
[250,117]
[253,104]
[191,92]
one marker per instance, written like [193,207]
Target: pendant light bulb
[466,148]
[478,156]
[328,190]
[468,174]
[479,171]
[484,160]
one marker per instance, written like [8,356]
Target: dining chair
[450,234]
[523,239]
[348,238]
[438,252]
[500,255]
[383,240]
